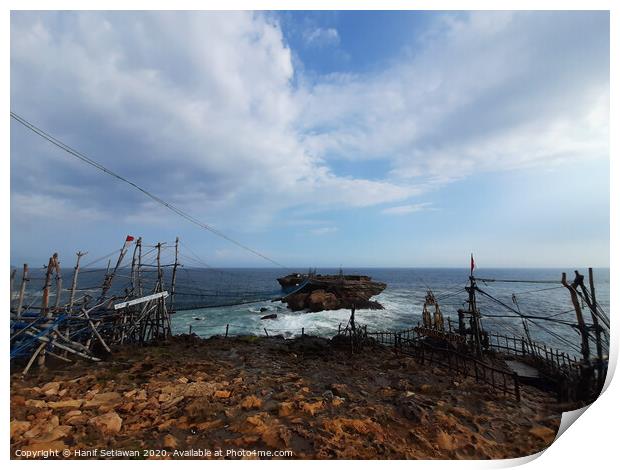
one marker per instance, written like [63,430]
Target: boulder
[320,300]
[250,402]
[335,292]
[170,442]
[297,302]
[543,432]
[107,424]
[19,427]
[107,398]
[71,404]
[286,409]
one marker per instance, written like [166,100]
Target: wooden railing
[408,342]
[554,359]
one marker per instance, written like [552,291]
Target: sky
[354,139]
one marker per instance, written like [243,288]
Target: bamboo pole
[74,280]
[597,329]
[174,274]
[96,332]
[22,291]
[585,347]
[46,288]
[107,283]
[32,358]
[13,273]
[58,285]
[139,278]
[132,276]
[158,288]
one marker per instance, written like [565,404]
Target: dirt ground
[250,397]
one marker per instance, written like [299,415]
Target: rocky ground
[265,394]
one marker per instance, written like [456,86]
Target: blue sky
[318,138]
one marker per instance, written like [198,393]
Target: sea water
[402,300]
[209,299]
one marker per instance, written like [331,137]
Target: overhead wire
[58,143]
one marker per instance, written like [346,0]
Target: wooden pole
[139,279]
[107,283]
[158,288]
[13,272]
[74,280]
[159,272]
[132,275]
[585,347]
[22,291]
[174,274]
[46,288]
[597,330]
[58,285]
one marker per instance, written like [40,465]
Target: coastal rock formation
[324,292]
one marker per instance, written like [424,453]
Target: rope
[150,195]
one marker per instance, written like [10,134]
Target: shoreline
[261,395]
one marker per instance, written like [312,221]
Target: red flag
[473,265]
[129,238]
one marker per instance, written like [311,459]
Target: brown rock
[77,420]
[222,394]
[336,401]
[108,398]
[50,388]
[108,424]
[197,389]
[65,404]
[127,407]
[170,442]
[320,300]
[341,390]
[286,409]
[18,400]
[36,404]
[54,434]
[19,427]
[170,403]
[544,433]
[201,409]
[207,425]
[445,441]
[46,446]
[297,302]
[251,402]
[72,414]
[312,408]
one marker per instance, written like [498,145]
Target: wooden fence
[408,342]
[552,359]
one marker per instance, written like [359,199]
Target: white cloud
[323,230]
[321,37]
[485,91]
[407,209]
[201,108]
[205,100]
